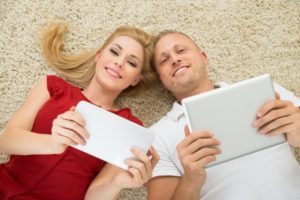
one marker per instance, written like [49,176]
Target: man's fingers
[272,116]
[198,144]
[206,160]
[270,105]
[193,137]
[186,130]
[277,95]
[204,153]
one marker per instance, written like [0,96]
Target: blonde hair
[79,69]
[160,36]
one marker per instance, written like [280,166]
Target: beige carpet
[242,39]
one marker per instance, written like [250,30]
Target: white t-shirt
[270,174]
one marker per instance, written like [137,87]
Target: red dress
[55,177]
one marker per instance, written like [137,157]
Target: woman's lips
[112,72]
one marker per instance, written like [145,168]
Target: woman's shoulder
[54,79]
[56,84]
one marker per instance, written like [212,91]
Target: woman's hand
[139,171]
[68,129]
[111,180]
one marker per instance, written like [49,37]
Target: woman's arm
[17,137]
[111,180]
[67,128]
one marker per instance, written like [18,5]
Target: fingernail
[133,150]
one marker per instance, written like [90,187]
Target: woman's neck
[101,97]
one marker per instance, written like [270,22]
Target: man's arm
[195,152]
[162,187]
[173,187]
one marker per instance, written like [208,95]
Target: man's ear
[137,80]
[204,57]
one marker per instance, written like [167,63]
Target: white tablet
[111,136]
[229,112]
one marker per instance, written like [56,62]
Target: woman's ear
[98,54]
[137,80]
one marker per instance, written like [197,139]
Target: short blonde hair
[79,69]
[161,35]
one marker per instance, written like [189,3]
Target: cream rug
[242,38]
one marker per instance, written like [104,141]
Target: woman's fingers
[141,169]
[68,133]
[73,116]
[72,126]
[154,156]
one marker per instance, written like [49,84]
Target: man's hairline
[169,32]
[164,33]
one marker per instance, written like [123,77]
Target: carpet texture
[242,38]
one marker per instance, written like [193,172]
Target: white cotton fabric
[272,173]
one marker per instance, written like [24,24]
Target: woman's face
[119,64]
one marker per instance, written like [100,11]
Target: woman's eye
[114,52]
[133,64]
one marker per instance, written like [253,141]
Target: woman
[42,165]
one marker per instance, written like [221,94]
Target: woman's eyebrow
[132,55]
[118,46]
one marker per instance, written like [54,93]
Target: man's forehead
[172,40]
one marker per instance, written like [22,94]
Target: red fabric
[65,176]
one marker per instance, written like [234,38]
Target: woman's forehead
[128,44]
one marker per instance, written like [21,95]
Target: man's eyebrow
[163,54]
[132,55]
[176,46]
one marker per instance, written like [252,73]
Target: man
[181,172]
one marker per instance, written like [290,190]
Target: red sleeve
[55,84]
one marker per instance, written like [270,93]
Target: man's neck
[198,90]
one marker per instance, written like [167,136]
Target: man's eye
[163,60]
[181,50]
[114,52]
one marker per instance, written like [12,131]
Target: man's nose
[175,59]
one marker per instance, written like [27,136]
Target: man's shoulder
[170,118]
[161,123]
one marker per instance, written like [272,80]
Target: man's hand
[277,117]
[195,152]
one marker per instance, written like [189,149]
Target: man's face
[179,63]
